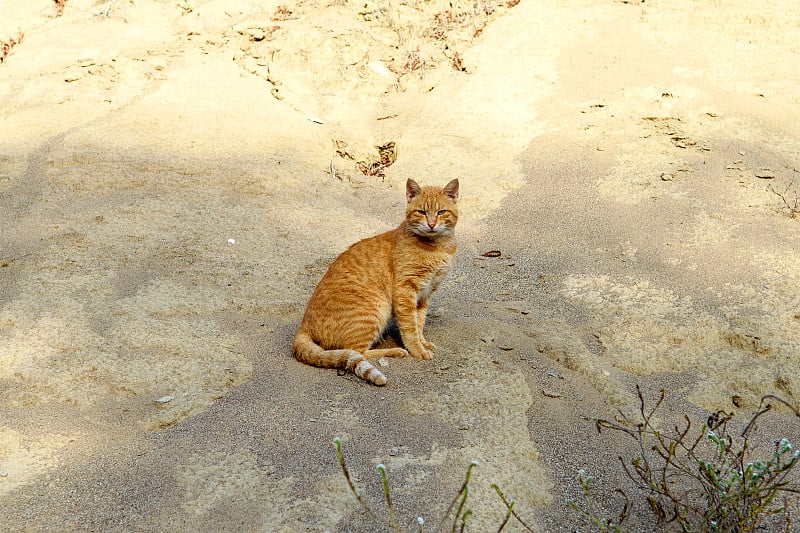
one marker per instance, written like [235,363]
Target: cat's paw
[397,352]
[422,353]
[429,345]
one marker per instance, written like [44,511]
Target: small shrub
[707,481]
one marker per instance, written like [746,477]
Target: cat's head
[431,211]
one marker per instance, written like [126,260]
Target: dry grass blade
[511,512]
[338,442]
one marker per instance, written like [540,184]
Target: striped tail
[309,352]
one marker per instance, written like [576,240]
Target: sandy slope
[171,191]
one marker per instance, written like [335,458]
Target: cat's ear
[412,189]
[451,190]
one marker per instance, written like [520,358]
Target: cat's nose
[431,224]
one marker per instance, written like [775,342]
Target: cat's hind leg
[386,352]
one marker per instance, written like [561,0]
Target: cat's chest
[431,282]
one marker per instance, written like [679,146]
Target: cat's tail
[309,352]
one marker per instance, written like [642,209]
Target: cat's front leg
[408,322]
[422,314]
[416,345]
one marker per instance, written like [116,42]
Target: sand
[175,177]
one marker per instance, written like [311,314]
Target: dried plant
[282,13]
[8,44]
[60,4]
[790,198]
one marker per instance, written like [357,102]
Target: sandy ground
[175,176]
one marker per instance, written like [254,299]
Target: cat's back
[362,270]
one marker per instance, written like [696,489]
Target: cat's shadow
[390,338]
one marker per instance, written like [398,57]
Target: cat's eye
[442,212]
[421,212]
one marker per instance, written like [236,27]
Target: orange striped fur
[387,277]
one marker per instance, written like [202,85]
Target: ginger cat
[389,276]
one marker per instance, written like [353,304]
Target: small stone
[665,176]
[165,399]
[3,474]
[505,347]
[550,394]
[231,241]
